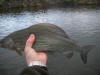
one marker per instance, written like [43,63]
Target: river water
[82,25]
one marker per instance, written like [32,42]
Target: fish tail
[84,52]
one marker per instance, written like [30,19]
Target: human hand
[31,54]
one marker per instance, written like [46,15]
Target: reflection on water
[82,25]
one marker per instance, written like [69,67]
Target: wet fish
[49,38]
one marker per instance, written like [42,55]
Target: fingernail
[31,35]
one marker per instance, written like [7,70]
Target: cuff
[36,63]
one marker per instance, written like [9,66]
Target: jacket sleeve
[35,70]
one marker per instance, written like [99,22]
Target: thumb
[30,42]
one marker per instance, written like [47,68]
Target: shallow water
[82,25]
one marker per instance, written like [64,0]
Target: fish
[50,38]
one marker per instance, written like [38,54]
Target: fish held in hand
[49,38]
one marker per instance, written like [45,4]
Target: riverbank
[35,5]
[45,3]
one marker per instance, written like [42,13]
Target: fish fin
[19,52]
[84,52]
[68,54]
[14,47]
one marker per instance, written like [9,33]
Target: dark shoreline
[35,9]
[10,6]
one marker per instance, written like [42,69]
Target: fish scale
[49,38]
